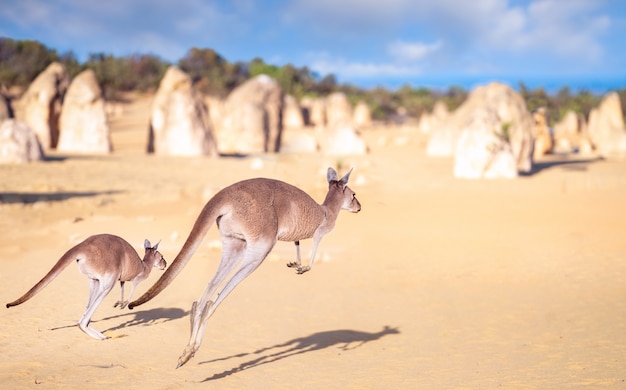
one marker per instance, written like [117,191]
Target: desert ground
[438,283]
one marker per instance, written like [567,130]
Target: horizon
[596,86]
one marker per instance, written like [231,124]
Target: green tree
[113,74]
[72,66]
[147,71]
[211,72]
[257,67]
[22,61]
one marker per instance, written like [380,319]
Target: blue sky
[368,43]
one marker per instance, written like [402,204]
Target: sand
[437,283]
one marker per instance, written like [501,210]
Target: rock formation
[338,110]
[543,137]
[482,150]
[244,130]
[41,103]
[297,137]
[252,118]
[303,140]
[606,126]
[442,140]
[343,139]
[18,143]
[362,116]
[314,111]
[433,121]
[252,121]
[83,122]
[516,125]
[215,107]
[292,113]
[5,107]
[179,122]
[571,135]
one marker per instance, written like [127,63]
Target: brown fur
[104,259]
[252,215]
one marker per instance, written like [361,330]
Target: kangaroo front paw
[301,270]
[121,304]
[293,264]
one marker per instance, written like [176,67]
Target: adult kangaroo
[104,259]
[251,216]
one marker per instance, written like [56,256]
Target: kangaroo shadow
[147,317]
[140,318]
[33,197]
[344,339]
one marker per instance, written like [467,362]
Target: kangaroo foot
[301,270]
[92,332]
[187,354]
[293,264]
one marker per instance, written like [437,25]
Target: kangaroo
[251,216]
[104,259]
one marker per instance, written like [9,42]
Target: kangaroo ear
[344,179]
[156,246]
[331,175]
[146,244]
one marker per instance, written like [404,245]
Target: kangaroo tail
[63,262]
[200,228]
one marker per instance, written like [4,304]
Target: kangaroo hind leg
[97,291]
[232,252]
[253,256]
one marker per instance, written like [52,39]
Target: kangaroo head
[350,202]
[153,256]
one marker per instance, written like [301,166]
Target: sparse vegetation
[133,73]
[557,105]
[211,72]
[22,61]
[506,134]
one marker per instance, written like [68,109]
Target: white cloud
[485,28]
[359,70]
[122,27]
[477,37]
[28,12]
[571,31]
[412,51]
[153,43]
[362,13]
[542,24]
[548,28]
